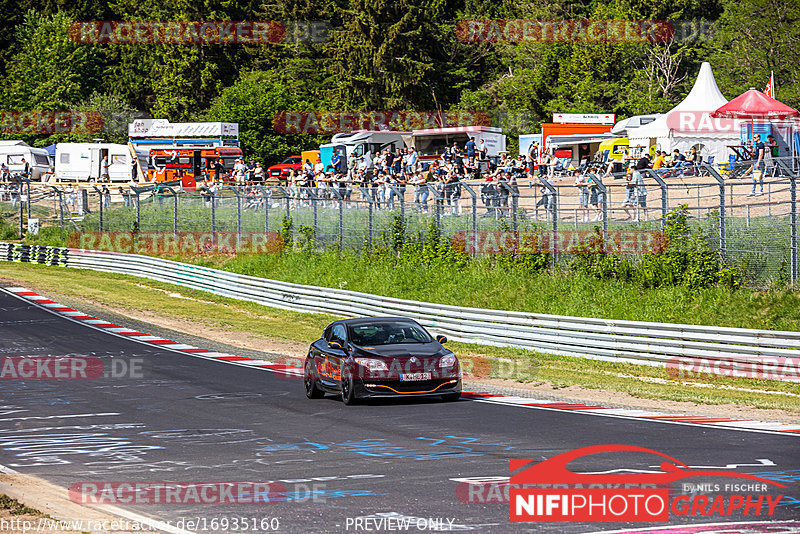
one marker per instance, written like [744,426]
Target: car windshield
[387,333]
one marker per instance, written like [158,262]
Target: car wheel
[348,396]
[310,381]
[451,397]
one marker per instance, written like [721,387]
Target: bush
[684,257]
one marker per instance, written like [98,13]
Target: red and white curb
[76,315]
[507,400]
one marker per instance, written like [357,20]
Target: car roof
[374,320]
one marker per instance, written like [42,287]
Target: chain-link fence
[748,222]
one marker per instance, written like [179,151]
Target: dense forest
[384,55]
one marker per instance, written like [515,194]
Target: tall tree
[755,37]
[174,81]
[385,51]
[48,70]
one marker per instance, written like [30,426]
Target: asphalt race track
[174,417]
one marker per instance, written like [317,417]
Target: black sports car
[386,357]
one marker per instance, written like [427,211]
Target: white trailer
[433,141]
[84,161]
[12,154]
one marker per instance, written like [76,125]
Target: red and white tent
[755,105]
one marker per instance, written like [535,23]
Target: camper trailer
[352,146]
[12,154]
[430,143]
[83,161]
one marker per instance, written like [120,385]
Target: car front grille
[417,386]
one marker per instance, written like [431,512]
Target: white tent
[690,124]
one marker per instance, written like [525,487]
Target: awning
[555,141]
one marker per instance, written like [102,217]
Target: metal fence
[713,350]
[747,223]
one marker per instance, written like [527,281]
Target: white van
[13,152]
[83,161]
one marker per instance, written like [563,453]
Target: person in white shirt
[482,151]
[132,184]
[212,190]
[412,161]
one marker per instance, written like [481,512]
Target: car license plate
[415,376]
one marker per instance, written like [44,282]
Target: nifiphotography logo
[549,492]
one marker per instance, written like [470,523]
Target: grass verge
[124,292]
[482,284]
[15,507]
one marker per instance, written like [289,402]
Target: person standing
[641,195]
[398,161]
[70,197]
[134,173]
[389,159]
[583,195]
[770,153]
[412,160]
[471,147]
[212,193]
[596,196]
[219,168]
[106,196]
[483,152]
[133,197]
[336,162]
[758,167]
[251,168]
[105,174]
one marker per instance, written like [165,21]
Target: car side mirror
[335,345]
[441,339]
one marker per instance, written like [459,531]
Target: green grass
[17,508]
[123,292]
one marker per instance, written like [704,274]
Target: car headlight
[448,360]
[372,364]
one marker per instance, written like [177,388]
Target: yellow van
[614,149]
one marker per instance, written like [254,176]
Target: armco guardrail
[688,348]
